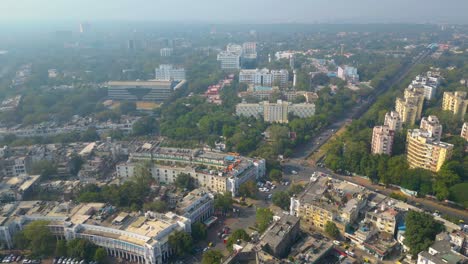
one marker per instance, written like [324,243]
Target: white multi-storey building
[432,125]
[393,121]
[166,52]
[275,112]
[382,140]
[229,60]
[167,72]
[131,236]
[197,206]
[265,77]
[218,173]
[429,82]
[464,131]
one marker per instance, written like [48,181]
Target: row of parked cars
[65,260]
[12,258]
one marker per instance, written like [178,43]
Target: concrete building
[280,236]
[13,166]
[231,58]
[432,125]
[14,188]
[167,72]
[155,91]
[166,52]
[198,205]
[249,48]
[322,202]
[265,77]
[410,107]
[393,121]
[384,219]
[441,253]
[455,102]
[215,171]
[382,140]
[130,236]
[348,73]
[429,83]
[423,151]
[275,112]
[464,131]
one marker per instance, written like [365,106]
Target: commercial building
[423,151]
[265,77]
[323,202]
[455,102]
[15,188]
[132,236]
[13,166]
[154,91]
[231,58]
[198,205]
[382,140]
[432,125]
[441,253]
[215,171]
[410,107]
[275,112]
[166,52]
[464,131]
[393,121]
[167,72]
[280,236]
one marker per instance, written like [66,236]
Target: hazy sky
[248,11]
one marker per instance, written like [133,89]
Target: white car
[336,242]
[350,253]
[294,172]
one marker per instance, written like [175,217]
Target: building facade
[393,121]
[382,140]
[167,72]
[198,205]
[423,151]
[155,91]
[455,102]
[265,77]
[432,125]
[166,52]
[410,107]
[464,131]
[275,112]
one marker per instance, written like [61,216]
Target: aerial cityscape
[246,132]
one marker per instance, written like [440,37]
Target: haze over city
[241,11]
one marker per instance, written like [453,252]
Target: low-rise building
[218,172]
[15,188]
[275,112]
[198,205]
[131,236]
[441,253]
[166,72]
[280,236]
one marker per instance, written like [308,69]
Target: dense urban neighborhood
[220,143]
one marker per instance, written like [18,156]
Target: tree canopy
[421,230]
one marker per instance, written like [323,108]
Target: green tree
[100,255]
[212,257]
[61,248]
[281,199]
[81,248]
[275,175]
[181,242]
[145,126]
[295,189]
[238,234]
[199,231]
[223,202]
[44,168]
[248,189]
[184,181]
[156,206]
[331,229]
[39,238]
[263,218]
[421,229]
[75,164]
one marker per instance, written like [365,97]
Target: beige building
[464,132]
[410,107]
[455,102]
[382,140]
[393,121]
[275,112]
[425,152]
[432,125]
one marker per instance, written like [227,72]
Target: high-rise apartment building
[423,151]
[455,102]
[464,132]
[410,107]
[432,125]
[429,83]
[167,72]
[393,121]
[382,140]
